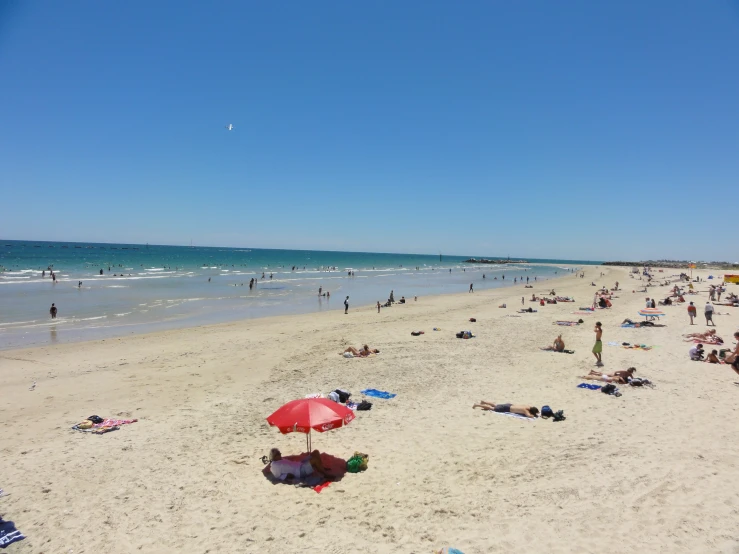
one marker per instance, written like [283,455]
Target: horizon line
[298,250]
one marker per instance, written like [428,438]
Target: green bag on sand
[357,463]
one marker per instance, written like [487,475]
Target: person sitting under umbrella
[292,469]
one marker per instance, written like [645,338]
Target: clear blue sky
[574,129]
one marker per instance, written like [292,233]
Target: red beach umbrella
[306,414]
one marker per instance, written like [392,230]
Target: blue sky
[580,129]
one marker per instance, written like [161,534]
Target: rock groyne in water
[486,261]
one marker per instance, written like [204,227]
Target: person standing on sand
[522,301]
[598,348]
[346,305]
[471,288]
[692,312]
[708,312]
[52,311]
[378,306]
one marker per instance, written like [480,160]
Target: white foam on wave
[19,323]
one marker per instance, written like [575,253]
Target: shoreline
[221,318]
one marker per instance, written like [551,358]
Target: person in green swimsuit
[598,348]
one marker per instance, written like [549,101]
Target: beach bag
[348,355]
[610,388]
[473,320]
[364,405]
[95,419]
[559,415]
[333,396]
[357,463]
[546,412]
[343,395]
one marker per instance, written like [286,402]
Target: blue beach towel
[588,386]
[9,534]
[378,393]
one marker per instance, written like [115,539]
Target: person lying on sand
[558,345]
[362,352]
[605,378]
[709,336]
[527,411]
[623,375]
[292,469]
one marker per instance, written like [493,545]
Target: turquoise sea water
[145,288]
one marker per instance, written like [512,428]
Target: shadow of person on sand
[335,469]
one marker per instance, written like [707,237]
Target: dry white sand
[655,470]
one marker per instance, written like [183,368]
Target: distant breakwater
[486,261]
[676,264]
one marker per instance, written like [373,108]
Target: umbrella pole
[307,440]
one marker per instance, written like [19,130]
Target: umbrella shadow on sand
[335,468]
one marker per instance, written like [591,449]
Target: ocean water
[146,287]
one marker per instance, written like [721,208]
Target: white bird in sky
[230,127]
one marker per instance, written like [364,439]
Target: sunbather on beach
[293,469]
[709,336]
[624,374]
[558,345]
[362,352]
[605,378]
[712,358]
[520,409]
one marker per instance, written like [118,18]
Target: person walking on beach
[52,311]
[708,312]
[692,312]
[522,301]
[346,305]
[598,348]
[471,288]
[378,306]
[320,290]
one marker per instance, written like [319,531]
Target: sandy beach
[652,470]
